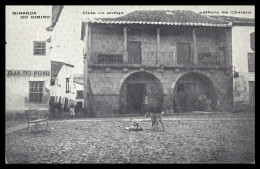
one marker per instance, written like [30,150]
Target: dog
[156,119]
[133,126]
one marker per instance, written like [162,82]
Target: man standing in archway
[145,107]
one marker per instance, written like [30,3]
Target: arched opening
[133,89]
[194,92]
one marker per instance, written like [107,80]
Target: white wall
[60,89]
[241,46]
[240,49]
[20,34]
[17,88]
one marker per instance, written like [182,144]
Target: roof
[80,83]
[78,78]
[56,67]
[159,17]
[234,20]
[56,11]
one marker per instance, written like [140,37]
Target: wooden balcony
[152,59]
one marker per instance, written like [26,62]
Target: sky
[68,46]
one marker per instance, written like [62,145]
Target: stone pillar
[195,46]
[158,45]
[158,39]
[87,106]
[89,44]
[125,55]
[85,69]
[228,47]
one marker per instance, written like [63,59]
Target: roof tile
[176,17]
[234,20]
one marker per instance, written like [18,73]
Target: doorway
[134,52]
[135,93]
[190,96]
[194,92]
[184,54]
[133,89]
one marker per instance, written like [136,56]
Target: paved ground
[199,138]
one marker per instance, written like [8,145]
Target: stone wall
[106,87]
[106,82]
[109,39]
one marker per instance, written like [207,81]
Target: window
[36,91]
[39,48]
[79,94]
[184,54]
[251,62]
[252,41]
[110,59]
[67,85]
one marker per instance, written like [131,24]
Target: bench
[36,117]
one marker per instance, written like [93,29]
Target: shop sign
[28,73]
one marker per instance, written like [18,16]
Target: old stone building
[243,60]
[180,59]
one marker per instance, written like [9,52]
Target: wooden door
[134,52]
[135,93]
[190,96]
[252,93]
[183,54]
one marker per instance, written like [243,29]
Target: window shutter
[251,62]
[252,41]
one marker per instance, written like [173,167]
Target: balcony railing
[211,59]
[161,58]
[154,58]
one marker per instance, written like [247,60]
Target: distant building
[79,87]
[28,64]
[179,59]
[243,58]
[62,88]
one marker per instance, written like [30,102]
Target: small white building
[28,64]
[62,88]
[79,85]
[243,59]
[243,52]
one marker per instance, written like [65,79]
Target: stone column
[158,44]
[195,46]
[158,39]
[89,44]
[228,47]
[125,55]
[87,106]
[85,69]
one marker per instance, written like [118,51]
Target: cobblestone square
[186,139]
